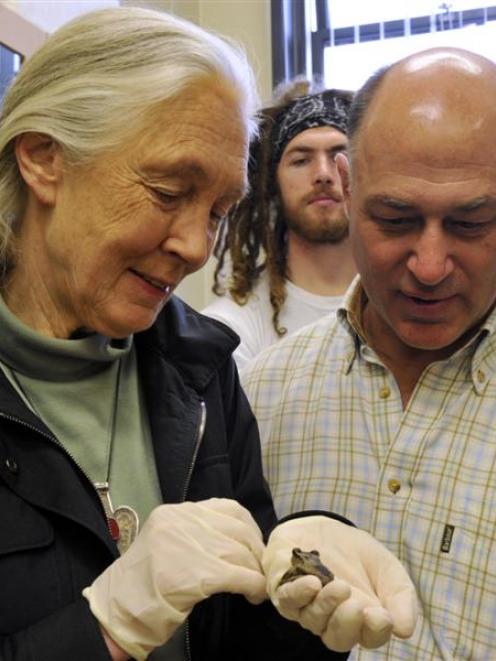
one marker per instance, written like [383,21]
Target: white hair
[92,81]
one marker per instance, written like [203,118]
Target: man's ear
[343,166]
[40,163]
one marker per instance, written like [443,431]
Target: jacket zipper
[199,436]
[52,439]
[200,430]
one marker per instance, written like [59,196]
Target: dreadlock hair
[253,236]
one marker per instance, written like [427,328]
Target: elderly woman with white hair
[133,511]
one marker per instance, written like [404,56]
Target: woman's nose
[190,239]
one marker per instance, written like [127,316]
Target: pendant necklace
[123,521]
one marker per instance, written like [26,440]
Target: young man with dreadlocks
[285,246]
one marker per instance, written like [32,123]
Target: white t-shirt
[253,321]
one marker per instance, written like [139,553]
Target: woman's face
[123,232]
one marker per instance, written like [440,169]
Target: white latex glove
[183,554]
[382,600]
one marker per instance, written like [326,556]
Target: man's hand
[370,598]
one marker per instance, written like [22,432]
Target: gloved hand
[183,554]
[370,598]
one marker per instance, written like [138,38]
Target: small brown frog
[304,563]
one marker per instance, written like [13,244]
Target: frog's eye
[316,553]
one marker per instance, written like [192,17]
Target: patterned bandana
[329,108]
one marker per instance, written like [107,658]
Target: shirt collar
[482,345]
[349,315]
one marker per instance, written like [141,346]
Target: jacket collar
[197,345]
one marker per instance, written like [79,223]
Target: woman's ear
[40,163]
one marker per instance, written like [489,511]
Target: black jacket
[54,538]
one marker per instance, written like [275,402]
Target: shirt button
[384,392]
[394,485]
[481,376]
[11,465]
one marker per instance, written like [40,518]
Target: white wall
[52,14]
[18,33]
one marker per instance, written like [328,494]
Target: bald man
[388,414]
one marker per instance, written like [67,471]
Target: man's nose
[430,261]
[325,169]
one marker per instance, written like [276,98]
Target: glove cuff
[128,629]
[305,513]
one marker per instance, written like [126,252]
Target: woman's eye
[166,197]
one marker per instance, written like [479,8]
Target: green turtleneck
[75,386]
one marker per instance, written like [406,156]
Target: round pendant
[128,525]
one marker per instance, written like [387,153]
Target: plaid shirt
[422,480]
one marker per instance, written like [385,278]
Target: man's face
[128,228]
[309,186]
[422,211]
